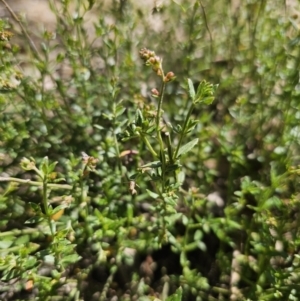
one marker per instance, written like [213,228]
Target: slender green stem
[115,136]
[169,147]
[158,130]
[195,226]
[207,28]
[183,132]
[163,169]
[51,223]
[83,191]
[162,150]
[117,151]
[150,148]
[108,282]
[160,101]
[35,183]
[45,192]
[39,173]
[221,290]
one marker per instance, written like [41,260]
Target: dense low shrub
[150,154]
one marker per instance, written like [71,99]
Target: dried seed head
[132,187]
[89,161]
[5,35]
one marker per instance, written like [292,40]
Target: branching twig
[15,17]
[206,25]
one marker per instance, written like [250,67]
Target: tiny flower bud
[152,60]
[157,60]
[159,72]
[169,77]
[154,93]
[26,164]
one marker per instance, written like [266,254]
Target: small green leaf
[154,164]
[177,129]
[134,176]
[205,93]
[6,242]
[22,240]
[187,147]
[171,219]
[172,167]
[198,235]
[191,125]
[73,258]
[91,3]
[35,207]
[60,57]
[150,130]
[191,88]
[44,166]
[234,225]
[153,194]
[60,207]
[6,91]
[10,274]
[35,219]
[99,127]
[30,262]
[120,109]
[177,296]
[51,166]
[32,247]
[139,119]
[273,202]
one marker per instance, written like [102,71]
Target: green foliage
[123,179]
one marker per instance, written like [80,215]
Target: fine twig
[24,31]
[206,25]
